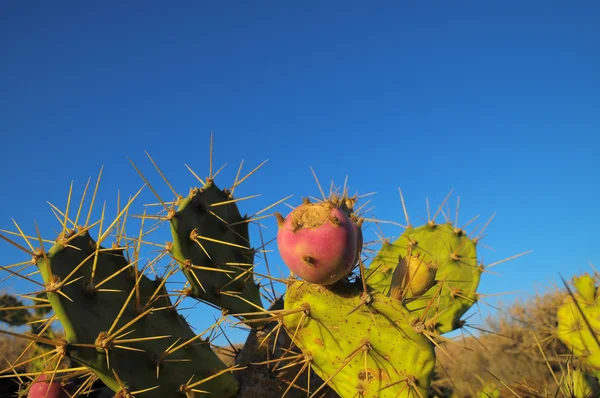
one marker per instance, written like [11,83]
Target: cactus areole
[318,242]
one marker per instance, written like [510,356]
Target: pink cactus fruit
[42,388]
[317,242]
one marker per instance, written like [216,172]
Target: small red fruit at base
[42,388]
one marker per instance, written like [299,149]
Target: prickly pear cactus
[362,343]
[433,269]
[579,384]
[579,322]
[365,334]
[212,247]
[122,325]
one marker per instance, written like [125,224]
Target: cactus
[433,269]
[579,384]
[362,343]
[579,322]
[122,325]
[211,246]
[369,333]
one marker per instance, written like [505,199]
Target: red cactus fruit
[42,388]
[318,242]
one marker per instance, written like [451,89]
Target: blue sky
[498,100]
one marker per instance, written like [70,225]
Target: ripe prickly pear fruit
[42,388]
[317,242]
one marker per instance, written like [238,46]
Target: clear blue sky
[498,100]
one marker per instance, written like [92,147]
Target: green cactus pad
[453,254]
[208,231]
[88,308]
[585,287]
[579,329]
[579,384]
[374,351]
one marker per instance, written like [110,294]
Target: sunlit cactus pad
[579,384]
[433,269]
[361,344]
[579,322]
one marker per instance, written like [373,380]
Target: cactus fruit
[318,242]
[412,277]
[122,325]
[579,322]
[43,387]
[346,203]
[211,246]
[433,269]
[362,344]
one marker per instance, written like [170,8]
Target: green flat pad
[330,334]
[91,313]
[458,276]
[217,246]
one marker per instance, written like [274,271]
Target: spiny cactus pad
[442,276]
[131,337]
[579,323]
[212,247]
[579,384]
[365,345]
[585,287]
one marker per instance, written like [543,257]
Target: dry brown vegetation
[519,352]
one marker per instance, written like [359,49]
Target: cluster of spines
[213,250]
[211,244]
[433,269]
[119,323]
[358,341]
